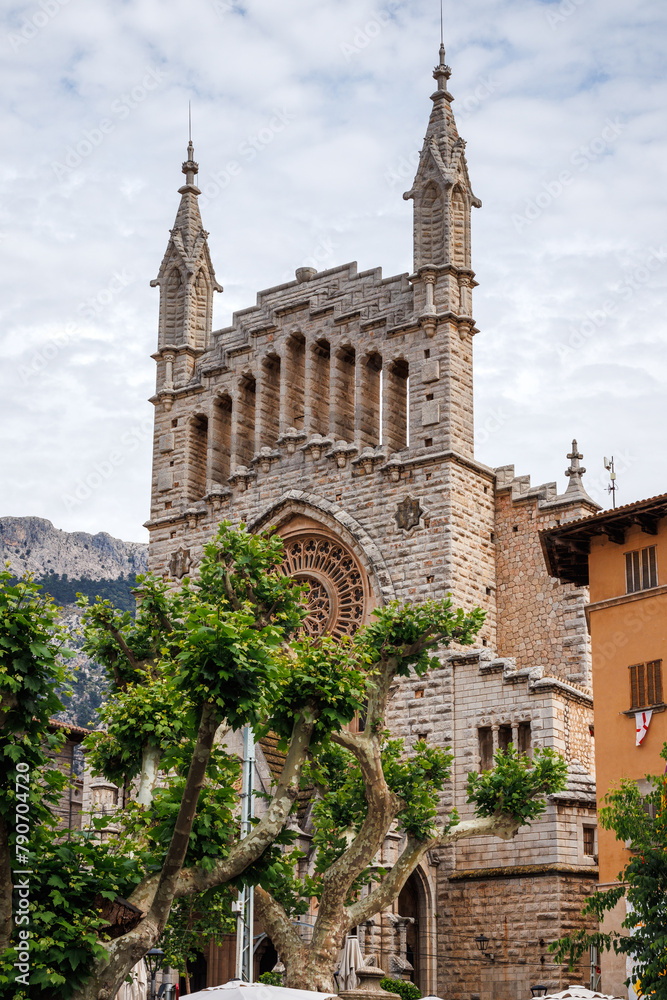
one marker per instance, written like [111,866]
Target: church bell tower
[443,279]
[186,280]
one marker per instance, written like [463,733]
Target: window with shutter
[646,684]
[589,840]
[641,569]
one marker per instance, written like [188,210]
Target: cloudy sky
[323,105]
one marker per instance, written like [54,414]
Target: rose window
[335,595]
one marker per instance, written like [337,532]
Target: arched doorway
[412,905]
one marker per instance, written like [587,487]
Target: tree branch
[500,825]
[178,847]
[384,894]
[248,850]
[344,738]
[126,950]
[383,807]
[278,925]
[229,590]
[115,634]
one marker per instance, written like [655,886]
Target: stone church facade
[338,411]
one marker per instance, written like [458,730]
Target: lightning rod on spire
[189,121]
[442,24]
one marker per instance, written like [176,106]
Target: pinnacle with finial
[575,471]
[190,169]
[442,73]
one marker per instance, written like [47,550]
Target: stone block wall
[542,621]
[491,695]
[520,914]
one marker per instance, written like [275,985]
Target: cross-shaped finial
[575,471]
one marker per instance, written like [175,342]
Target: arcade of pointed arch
[301,392]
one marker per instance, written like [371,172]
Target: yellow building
[622,556]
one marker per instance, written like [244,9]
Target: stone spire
[186,277]
[442,193]
[188,218]
[575,488]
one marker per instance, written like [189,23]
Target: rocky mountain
[67,563]
[33,545]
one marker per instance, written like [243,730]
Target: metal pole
[245,904]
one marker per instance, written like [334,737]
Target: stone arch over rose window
[298,512]
[339,595]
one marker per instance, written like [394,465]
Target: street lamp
[538,991]
[482,942]
[154,962]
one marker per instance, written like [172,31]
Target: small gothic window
[504,738]
[524,739]
[485,736]
[589,841]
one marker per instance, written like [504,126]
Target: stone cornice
[173,517]
[525,871]
[614,602]
[440,456]
[194,352]
[180,393]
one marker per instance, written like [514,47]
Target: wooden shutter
[654,682]
[652,566]
[634,689]
[641,686]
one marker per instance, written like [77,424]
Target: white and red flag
[642,721]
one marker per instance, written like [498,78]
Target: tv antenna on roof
[609,466]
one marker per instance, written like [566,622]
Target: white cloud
[93,110]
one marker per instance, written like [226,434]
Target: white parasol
[138,988]
[349,960]
[579,993]
[236,989]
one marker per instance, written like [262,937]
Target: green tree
[193,922]
[218,654]
[31,672]
[642,822]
